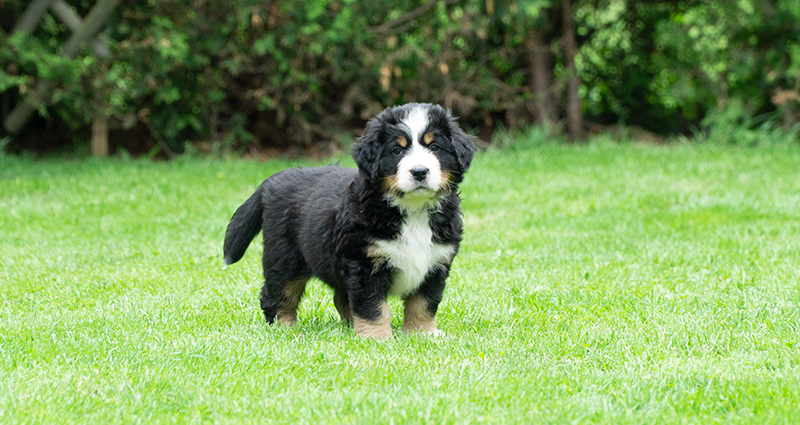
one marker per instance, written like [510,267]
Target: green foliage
[734,125]
[672,66]
[247,72]
[36,58]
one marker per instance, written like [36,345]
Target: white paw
[435,333]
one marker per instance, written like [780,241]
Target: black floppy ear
[462,144]
[367,150]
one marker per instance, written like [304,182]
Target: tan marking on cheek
[428,138]
[402,141]
[416,317]
[292,292]
[380,328]
[447,177]
[389,185]
[446,185]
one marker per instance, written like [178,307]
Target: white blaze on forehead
[416,122]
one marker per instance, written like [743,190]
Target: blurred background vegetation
[260,76]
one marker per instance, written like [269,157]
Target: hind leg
[342,303]
[285,277]
[280,298]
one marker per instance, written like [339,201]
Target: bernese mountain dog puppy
[392,227]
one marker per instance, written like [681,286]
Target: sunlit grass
[596,283]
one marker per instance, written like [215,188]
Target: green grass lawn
[596,283]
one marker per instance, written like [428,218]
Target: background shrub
[248,74]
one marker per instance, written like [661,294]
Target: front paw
[427,331]
[436,333]
[377,328]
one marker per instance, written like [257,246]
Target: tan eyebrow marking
[402,141]
[428,138]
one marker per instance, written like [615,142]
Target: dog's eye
[434,147]
[397,151]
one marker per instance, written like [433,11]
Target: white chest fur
[413,254]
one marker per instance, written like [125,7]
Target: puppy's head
[415,153]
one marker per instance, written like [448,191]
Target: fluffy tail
[244,226]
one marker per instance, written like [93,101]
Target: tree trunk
[574,119]
[540,77]
[99,140]
[100,135]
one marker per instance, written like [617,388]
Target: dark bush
[236,74]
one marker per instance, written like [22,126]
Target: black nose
[419,173]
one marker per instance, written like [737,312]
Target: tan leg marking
[287,312]
[381,328]
[343,307]
[416,317]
